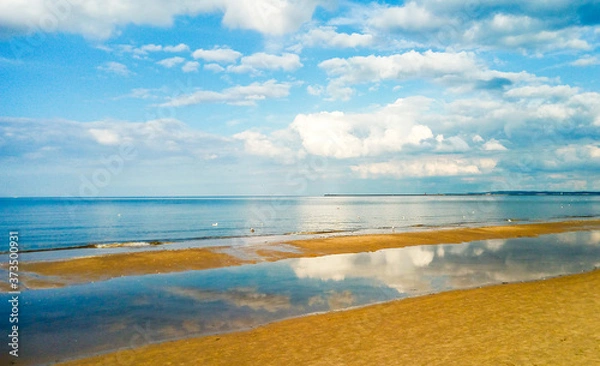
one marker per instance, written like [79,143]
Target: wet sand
[81,270]
[550,322]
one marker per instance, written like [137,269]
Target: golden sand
[551,322]
[366,243]
[130,264]
[81,270]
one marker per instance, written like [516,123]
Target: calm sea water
[52,223]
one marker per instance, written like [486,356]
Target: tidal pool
[80,320]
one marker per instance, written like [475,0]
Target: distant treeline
[494,193]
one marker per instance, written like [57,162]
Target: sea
[46,224]
[79,320]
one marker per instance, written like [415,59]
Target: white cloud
[494,145]
[340,135]
[141,93]
[542,91]
[532,27]
[329,37]
[91,141]
[115,68]
[275,146]
[409,65]
[170,62]
[220,55]
[265,61]
[143,50]
[182,47]
[410,17]
[315,90]
[190,66]
[452,144]
[522,32]
[149,48]
[105,136]
[425,167]
[578,154]
[237,95]
[399,66]
[214,67]
[586,60]
[273,17]
[101,19]
[477,139]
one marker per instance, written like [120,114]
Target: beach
[551,322]
[97,268]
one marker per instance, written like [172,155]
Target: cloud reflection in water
[424,269]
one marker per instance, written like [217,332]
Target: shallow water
[133,311]
[53,223]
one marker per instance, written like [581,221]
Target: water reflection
[415,270]
[133,311]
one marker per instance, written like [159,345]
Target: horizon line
[483,193]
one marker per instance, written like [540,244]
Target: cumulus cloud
[425,167]
[182,47]
[586,60]
[170,62]
[102,19]
[409,65]
[105,136]
[341,135]
[92,140]
[523,32]
[542,91]
[264,61]
[532,27]
[276,146]
[494,145]
[268,16]
[573,157]
[190,66]
[237,95]
[117,68]
[409,17]
[451,144]
[214,67]
[217,54]
[327,36]
[315,90]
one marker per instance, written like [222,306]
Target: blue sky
[220,97]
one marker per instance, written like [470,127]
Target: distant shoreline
[494,193]
[250,196]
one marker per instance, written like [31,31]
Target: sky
[297,97]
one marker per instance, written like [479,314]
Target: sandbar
[97,268]
[550,322]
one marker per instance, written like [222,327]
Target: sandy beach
[97,268]
[550,322]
